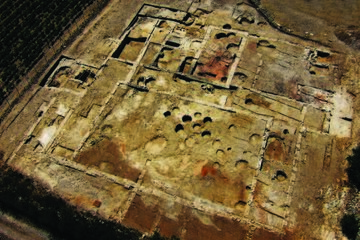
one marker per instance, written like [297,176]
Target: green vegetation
[353,170]
[27,28]
[350,223]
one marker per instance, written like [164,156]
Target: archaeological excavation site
[187,120]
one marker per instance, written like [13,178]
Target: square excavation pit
[190,119]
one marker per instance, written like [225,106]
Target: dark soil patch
[222,228]
[275,151]
[111,153]
[354,168]
[253,98]
[140,216]
[350,36]
[350,226]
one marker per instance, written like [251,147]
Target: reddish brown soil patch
[254,98]
[221,228]
[140,216]
[232,229]
[168,227]
[83,201]
[208,170]
[111,153]
[252,46]
[216,67]
[275,151]
[289,235]
[97,203]
[263,234]
[293,90]
[328,59]
[240,120]
[320,97]
[258,199]
[221,185]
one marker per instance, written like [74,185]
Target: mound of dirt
[350,36]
